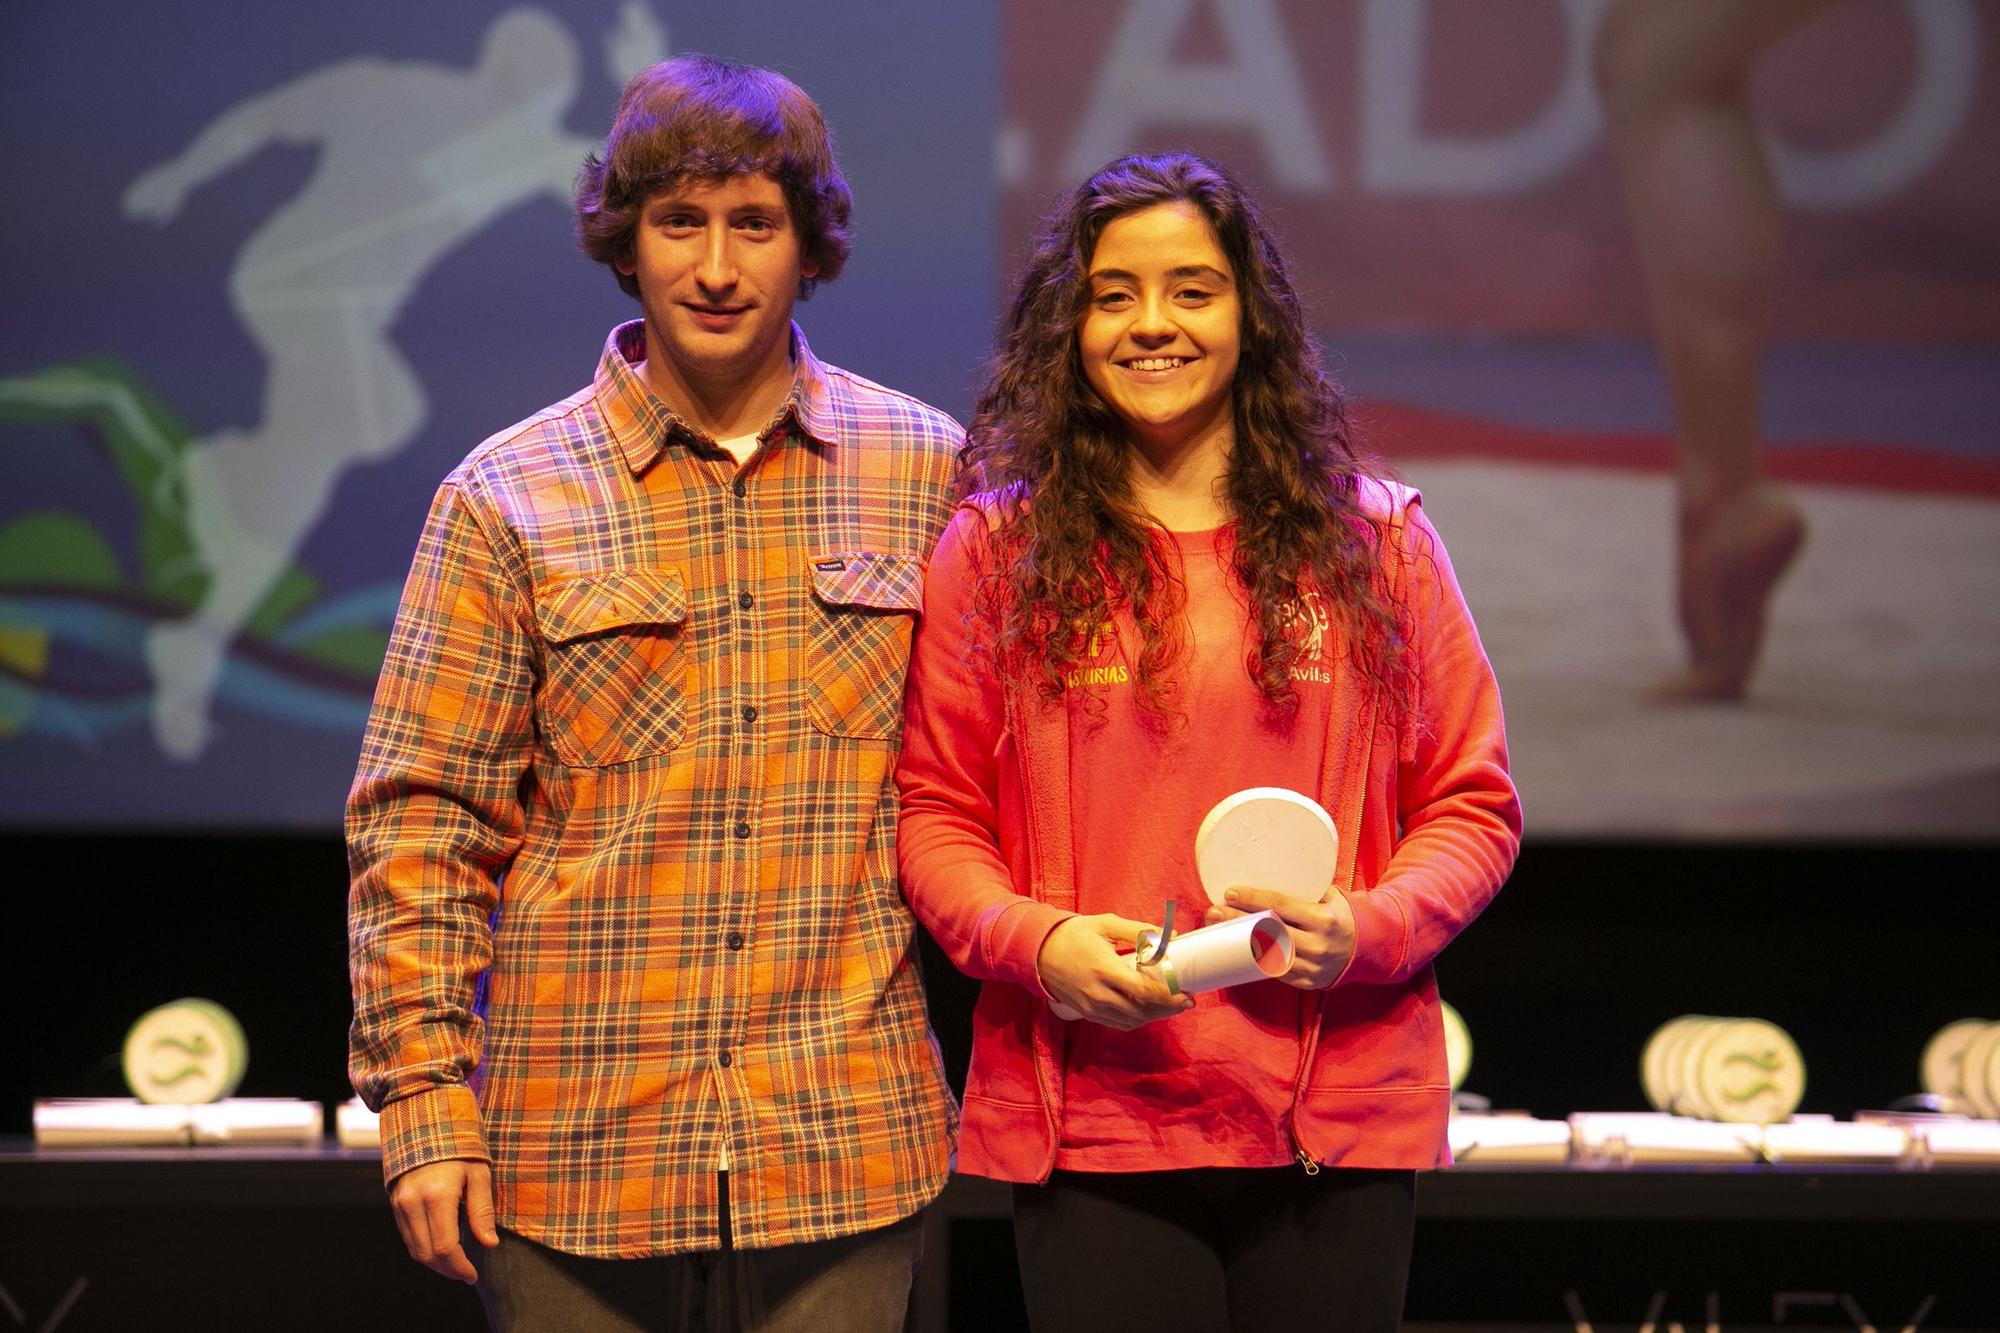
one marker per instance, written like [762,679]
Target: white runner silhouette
[416,159]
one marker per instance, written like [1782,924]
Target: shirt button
[745,600]
[735,939]
[749,712]
[725,1059]
[742,828]
[741,487]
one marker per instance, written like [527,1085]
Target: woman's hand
[1322,932]
[1081,968]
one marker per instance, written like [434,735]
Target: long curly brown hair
[1073,546]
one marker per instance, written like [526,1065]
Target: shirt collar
[642,424]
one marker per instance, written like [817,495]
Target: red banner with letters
[1441,165]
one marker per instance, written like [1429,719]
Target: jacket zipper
[1357,803]
[1039,1043]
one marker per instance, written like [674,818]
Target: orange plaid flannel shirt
[622,837]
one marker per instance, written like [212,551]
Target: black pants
[1216,1249]
[851,1284]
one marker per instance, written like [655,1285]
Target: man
[633,979]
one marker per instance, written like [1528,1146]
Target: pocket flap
[872,579]
[575,605]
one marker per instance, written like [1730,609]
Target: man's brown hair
[700,118]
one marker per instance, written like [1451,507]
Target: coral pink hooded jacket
[1429,826]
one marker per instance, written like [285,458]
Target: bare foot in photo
[1731,559]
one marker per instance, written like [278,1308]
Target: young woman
[1175,581]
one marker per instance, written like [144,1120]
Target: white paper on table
[1961,1142]
[356,1126]
[108,1122]
[1508,1138]
[1646,1136]
[1817,1139]
[254,1120]
[126,1122]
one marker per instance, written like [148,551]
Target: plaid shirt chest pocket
[858,632]
[617,667]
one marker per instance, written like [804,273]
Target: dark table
[301,1238]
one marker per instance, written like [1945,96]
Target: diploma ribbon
[1152,950]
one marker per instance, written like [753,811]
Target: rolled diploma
[1228,953]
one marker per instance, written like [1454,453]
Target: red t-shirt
[1213,1086]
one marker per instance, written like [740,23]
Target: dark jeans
[1215,1249]
[852,1282]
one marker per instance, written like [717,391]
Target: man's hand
[426,1200]
[1322,932]
[1081,967]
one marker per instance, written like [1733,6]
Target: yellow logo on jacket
[1309,624]
[1100,635]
